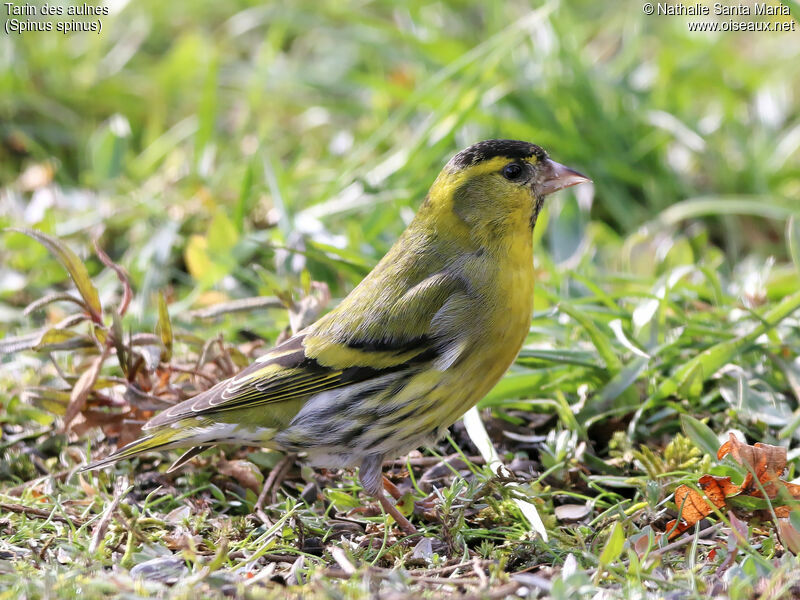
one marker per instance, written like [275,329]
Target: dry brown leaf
[244,472]
[572,512]
[89,490]
[790,537]
[84,385]
[765,461]
[128,431]
[765,464]
[122,274]
[768,464]
[694,506]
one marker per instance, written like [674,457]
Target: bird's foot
[271,485]
[398,517]
[425,508]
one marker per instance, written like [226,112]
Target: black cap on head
[491,148]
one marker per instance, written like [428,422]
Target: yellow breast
[505,320]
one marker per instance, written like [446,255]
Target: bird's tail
[158,440]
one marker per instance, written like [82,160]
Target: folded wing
[339,350]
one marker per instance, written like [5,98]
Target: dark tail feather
[186,457]
[154,441]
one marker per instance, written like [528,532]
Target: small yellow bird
[416,344]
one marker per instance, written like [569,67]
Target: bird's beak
[557,177]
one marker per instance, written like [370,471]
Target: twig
[45,300]
[46,546]
[448,569]
[100,530]
[477,568]
[41,513]
[271,486]
[240,305]
[127,295]
[223,359]
[284,558]
[136,396]
[500,591]
[195,372]
[385,574]
[686,540]
[533,580]
[17,490]
[427,461]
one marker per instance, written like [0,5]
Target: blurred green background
[200,140]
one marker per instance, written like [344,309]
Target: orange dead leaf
[783,512]
[765,465]
[694,506]
[765,461]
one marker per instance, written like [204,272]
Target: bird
[424,336]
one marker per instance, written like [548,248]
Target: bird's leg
[421,507]
[271,485]
[372,479]
[391,488]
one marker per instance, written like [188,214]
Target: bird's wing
[284,374]
[320,358]
[384,329]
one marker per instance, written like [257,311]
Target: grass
[225,152]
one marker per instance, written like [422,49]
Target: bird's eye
[512,171]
